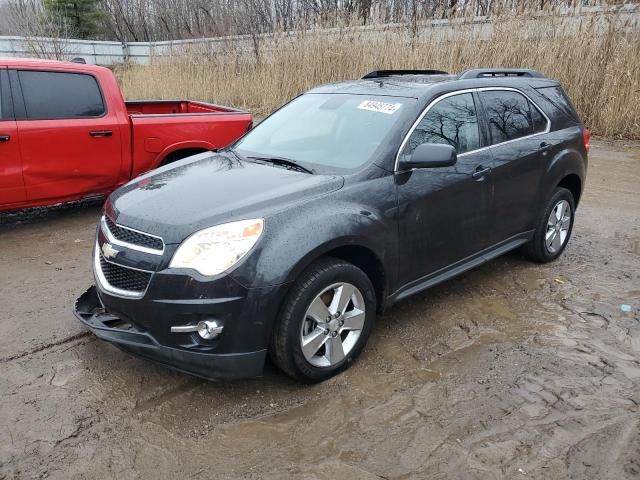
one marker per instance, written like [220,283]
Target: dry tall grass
[597,60]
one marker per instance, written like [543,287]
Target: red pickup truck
[67,134]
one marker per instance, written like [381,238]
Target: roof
[419,86]
[12,62]
[405,86]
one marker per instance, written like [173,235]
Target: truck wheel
[553,229]
[180,154]
[324,322]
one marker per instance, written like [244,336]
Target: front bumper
[200,360]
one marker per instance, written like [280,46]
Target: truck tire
[179,155]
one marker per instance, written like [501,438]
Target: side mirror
[430,155]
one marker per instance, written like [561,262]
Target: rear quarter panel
[157,136]
[569,157]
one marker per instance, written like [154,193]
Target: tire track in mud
[505,372]
[45,346]
[167,396]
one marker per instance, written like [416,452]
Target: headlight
[213,250]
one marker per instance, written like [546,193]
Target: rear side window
[511,115]
[60,95]
[452,121]
[556,96]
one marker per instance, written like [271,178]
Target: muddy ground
[513,370]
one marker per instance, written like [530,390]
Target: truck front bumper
[90,310]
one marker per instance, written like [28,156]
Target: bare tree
[150,20]
[44,32]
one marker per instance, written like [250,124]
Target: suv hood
[209,189]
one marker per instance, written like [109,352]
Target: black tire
[537,250]
[286,348]
[179,155]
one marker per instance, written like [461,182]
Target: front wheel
[325,321]
[554,228]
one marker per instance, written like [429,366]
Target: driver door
[444,212]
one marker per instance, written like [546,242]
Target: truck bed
[174,107]
[158,128]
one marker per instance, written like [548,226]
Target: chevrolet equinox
[349,198]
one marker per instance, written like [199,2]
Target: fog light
[209,329]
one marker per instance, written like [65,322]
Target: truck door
[11,183]
[69,140]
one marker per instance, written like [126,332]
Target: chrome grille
[133,237]
[123,278]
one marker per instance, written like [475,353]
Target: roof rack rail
[391,73]
[500,72]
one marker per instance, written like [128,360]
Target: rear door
[520,147]
[444,212]
[11,184]
[70,141]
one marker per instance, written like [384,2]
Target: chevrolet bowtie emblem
[108,251]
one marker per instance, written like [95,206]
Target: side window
[537,119]
[59,95]
[452,120]
[6,104]
[511,115]
[4,94]
[557,96]
[2,87]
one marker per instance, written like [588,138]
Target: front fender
[294,239]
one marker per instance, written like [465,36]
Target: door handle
[481,172]
[545,147]
[101,133]
[4,137]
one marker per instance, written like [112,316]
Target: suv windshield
[326,132]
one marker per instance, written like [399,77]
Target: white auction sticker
[380,107]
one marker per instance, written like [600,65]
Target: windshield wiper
[235,153]
[283,162]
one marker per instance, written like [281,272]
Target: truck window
[3,95]
[511,115]
[60,95]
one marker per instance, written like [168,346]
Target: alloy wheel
[332,325]
[558,226]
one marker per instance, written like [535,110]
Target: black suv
[349,198]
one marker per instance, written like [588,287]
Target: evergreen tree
[82,17]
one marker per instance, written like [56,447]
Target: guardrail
[110,53]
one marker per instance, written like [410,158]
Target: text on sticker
[380,107]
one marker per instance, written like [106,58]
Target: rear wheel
[554,228]
[180,154]
[325,321]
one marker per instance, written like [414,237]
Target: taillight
[586,136]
